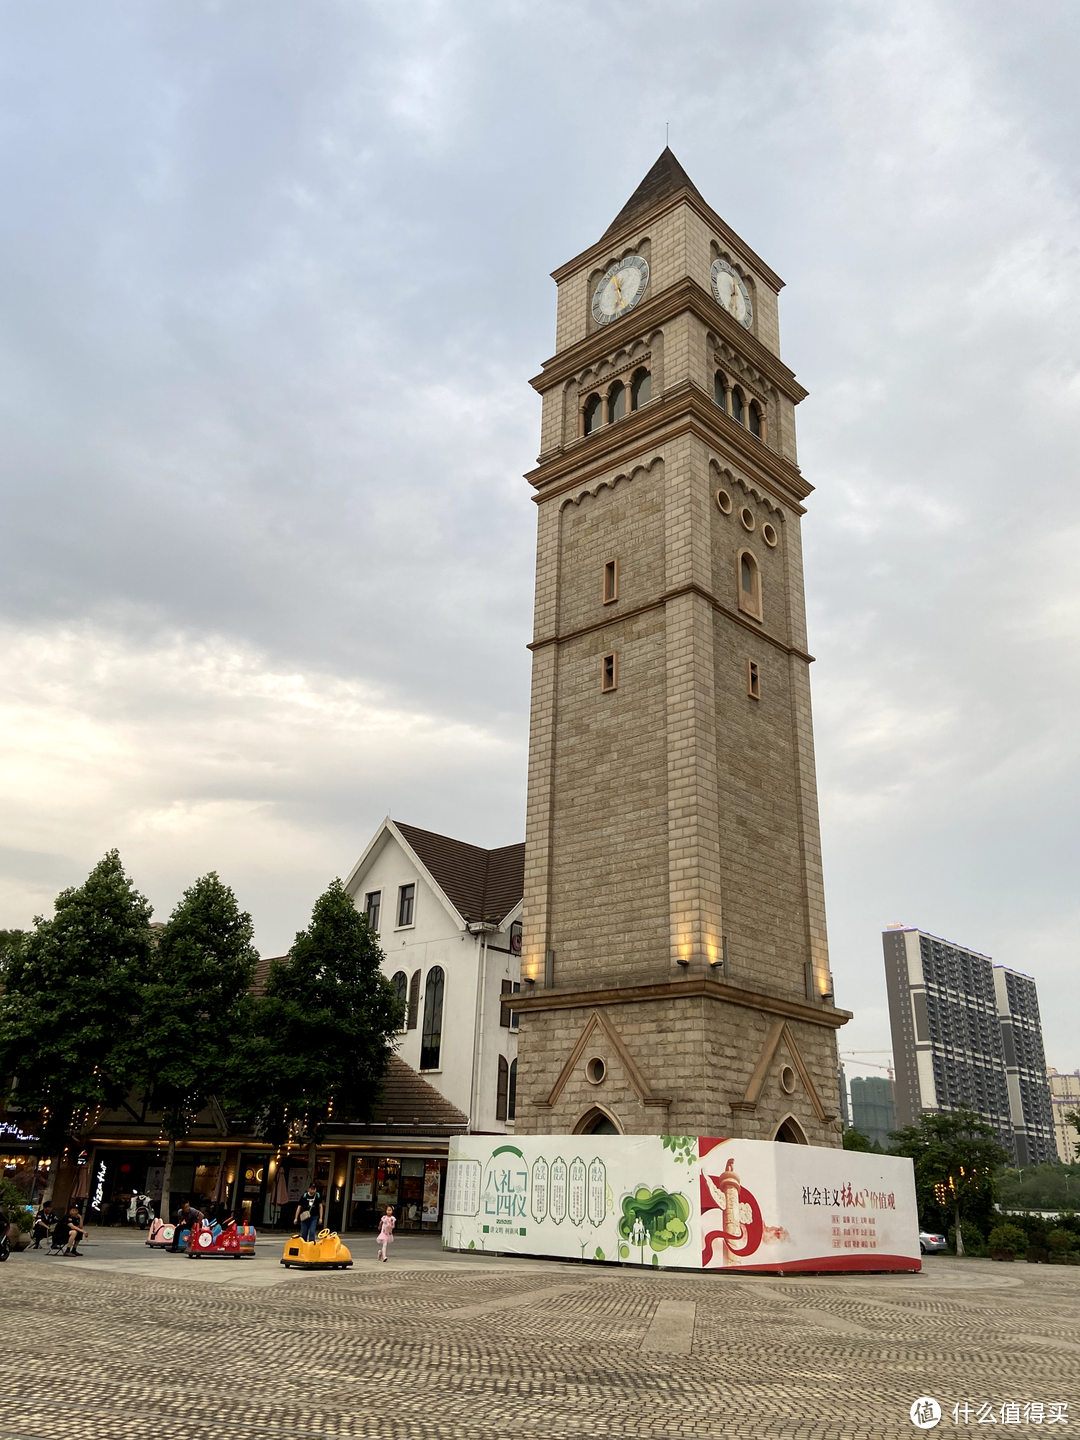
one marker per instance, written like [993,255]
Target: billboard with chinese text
[681,1201]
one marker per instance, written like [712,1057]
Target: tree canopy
[69,994]
[956,1155]
[324,1029]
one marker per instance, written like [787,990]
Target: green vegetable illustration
[655,1216]
[681,1147]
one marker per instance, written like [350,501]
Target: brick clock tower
[675,965]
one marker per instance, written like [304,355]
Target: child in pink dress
[386,1231]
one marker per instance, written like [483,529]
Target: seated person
[188,1217]
[75,1231]
[44,1221]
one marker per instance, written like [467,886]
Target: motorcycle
[5,1243]
[141,1211]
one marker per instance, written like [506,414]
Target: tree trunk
[166,1179]
[959,1232]
[312,1151]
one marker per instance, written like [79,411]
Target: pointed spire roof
[666,178]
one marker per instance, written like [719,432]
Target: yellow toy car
[324,1253]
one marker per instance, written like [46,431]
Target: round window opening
[747,518]
[595,1070]
[723,501]
[768,534]
[787,1080]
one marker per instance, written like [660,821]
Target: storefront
[19,1162]
[413,1184]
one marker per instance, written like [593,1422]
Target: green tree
[194,1007]
[324,1028]
[956,1156]
[856,1140]
[68,1005]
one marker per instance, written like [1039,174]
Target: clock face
[620,289]
[731,293]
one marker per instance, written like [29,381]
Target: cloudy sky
[273,277]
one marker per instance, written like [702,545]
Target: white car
[931,1244]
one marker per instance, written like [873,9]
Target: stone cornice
[686,294]
[681,410]
[659,603]
[693,989]
[635,224]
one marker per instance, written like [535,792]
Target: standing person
[188,1217]
[44,1221]
[75,1231]
[386,1231]
[309,1212]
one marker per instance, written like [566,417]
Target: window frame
[413,1013]
[609,673]
[373,901]
[640,377]
[610,585]
[434,1009]
[616,393]
[402,993]
[502,1089]
[754,605]
[593,405]
[410,923]
[753,679]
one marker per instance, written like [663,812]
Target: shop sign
[99,1187]
[10,1131]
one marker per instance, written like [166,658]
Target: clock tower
[675,968]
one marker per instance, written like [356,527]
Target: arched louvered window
[414,1001]
[640,389]
[400,982]
[749,584]
[502,1089]
[616,402]
[594,414]
[431,1035]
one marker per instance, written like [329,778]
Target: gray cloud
[272,282]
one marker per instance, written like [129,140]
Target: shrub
[1059,1244]
[973,1240]
[1008,1238]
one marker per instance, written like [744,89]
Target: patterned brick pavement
[133,1344]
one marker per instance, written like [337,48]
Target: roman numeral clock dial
[620,289]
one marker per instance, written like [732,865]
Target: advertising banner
[681,1202]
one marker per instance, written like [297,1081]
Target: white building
[1064,1099]
[449,921]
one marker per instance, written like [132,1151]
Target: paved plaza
[131,1343]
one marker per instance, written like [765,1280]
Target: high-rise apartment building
[1064,1100]
[966,1033]
[873,1112]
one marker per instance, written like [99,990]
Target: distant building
[1064,1098]
[966,1033]
[845,1108]
[873,1111]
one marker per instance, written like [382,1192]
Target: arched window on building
[414,1001]
[720,390]
[754,418]
[791,1133]
[749,584]
[737,406]
[502,1089]
[594,414]
[511,1099]
[431,1035]
[616,402]
[400,982]
[640,389]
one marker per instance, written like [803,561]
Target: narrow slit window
[511,1099]
[431,1036]
[616,401]
[749,584]
[414,1001]
[611,581]
[753,680]
[609,672]
[640,389]
[502,1089]
[406,904]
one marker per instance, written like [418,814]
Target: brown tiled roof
[665,178]
[480,884]
[409,1103]
[262,972]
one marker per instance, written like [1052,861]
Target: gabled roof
[666,178]
[408,1102]
[480,884]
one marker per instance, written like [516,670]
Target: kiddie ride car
[324,1253]
[221,1242]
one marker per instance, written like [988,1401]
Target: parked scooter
[141,1211]
[5,1243]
